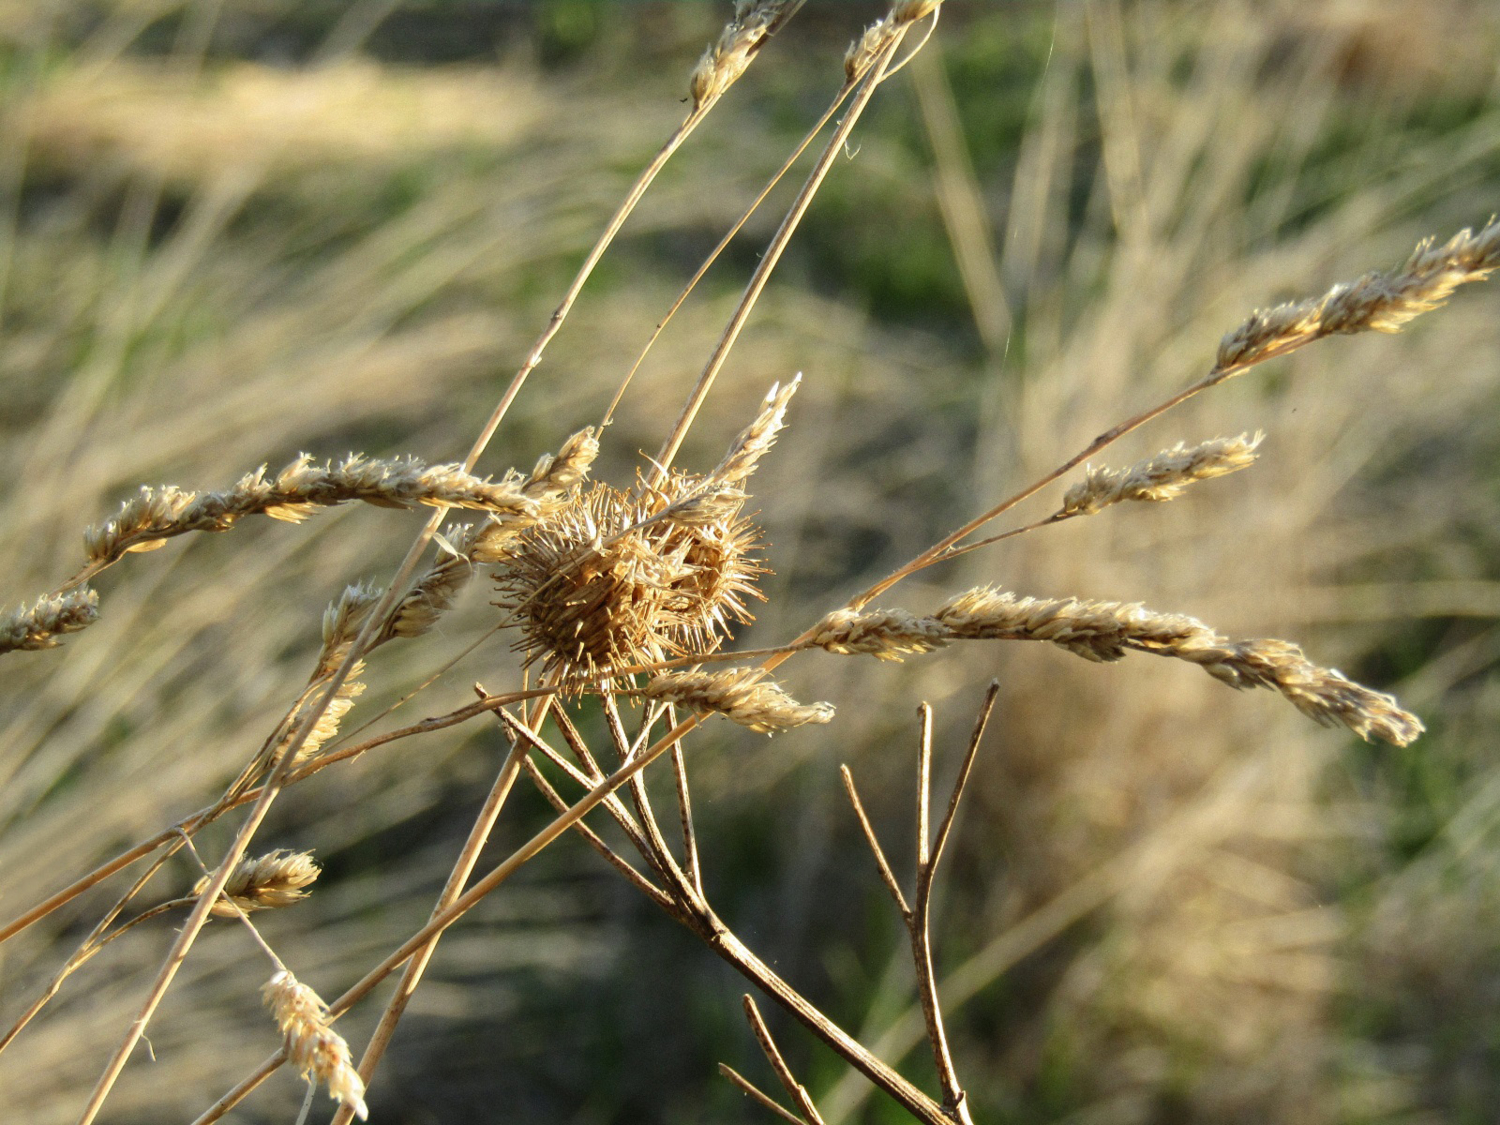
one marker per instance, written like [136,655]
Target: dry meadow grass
[1165,901]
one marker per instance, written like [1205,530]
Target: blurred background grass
[233,231]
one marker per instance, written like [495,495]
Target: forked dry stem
[795,1090]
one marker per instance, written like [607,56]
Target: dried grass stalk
[158,514]
[1106,631]
[1163,477]
[740,694]
[319,1053]
[1380,301]
[267,882]
[40,625]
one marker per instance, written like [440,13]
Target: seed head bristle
[557,473]
[1382,301]
[1163,477]
[319,1053]
[39,625]
[267,882]
[739,694]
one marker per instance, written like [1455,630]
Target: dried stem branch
[772,256]
[763,1098]
[795,1090]
[463,867]
[685,814]
[887,876]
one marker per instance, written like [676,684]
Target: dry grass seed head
[1163,477]
[1380,301]
[319,1053]
[740,694]
[1107,631]
[722,64]
[39,625]
[269,882]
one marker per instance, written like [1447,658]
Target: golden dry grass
[1145,922]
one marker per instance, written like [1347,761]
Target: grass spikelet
[1163,477]
[269,882]
[864,50]
[1380,301]
[757,438]
[1098,631]
[557,473]
[327,725]
[1324,695]
[886,634]
[740,695]
[40,624]
[433,593]
[158,514]
[342,621]
[319,1053]
[755,21]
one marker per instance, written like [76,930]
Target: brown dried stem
[685,815]
[755,1092]
[795,1090]
[612,857]
[772,255]
[462,868]
[887,876]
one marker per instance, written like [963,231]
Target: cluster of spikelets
[1163,477]
[156,514]
[40,624]
[277,879]
[146,521]
[1380,301]
[319,1053]
[1106,631]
